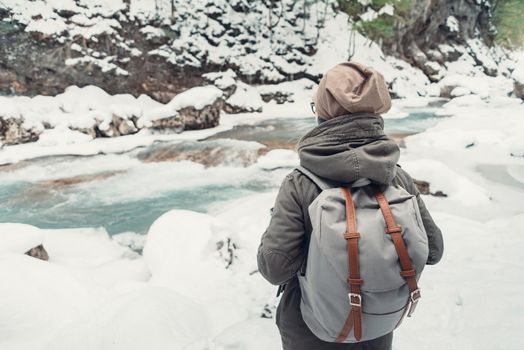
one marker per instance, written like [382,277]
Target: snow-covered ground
[196,285]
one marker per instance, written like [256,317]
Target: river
[126,192]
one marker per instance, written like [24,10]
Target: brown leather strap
[408,271]
[354,318]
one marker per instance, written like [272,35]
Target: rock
[439,194]
[172,124]
[518,89]
[207,117]
[227,251]
[210,153]
[441,25]
[38,252]
[518,82]
[280,97]
[423,187]
[246,99]
[12,131]
[225,81]
[117,127]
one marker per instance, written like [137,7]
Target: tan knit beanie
[351,87]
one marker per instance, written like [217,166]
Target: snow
[46,26]
[518,73]
[246,97]
[452,24]
[369,15]
[61,136]
[152,32]
[197,97]
[195,287]
[222,80]
[387,9]
[157,317]
[19,238]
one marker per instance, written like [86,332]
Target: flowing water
[127,192]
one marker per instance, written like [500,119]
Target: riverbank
[104,291]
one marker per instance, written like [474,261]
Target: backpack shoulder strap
[324,184]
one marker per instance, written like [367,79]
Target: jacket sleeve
[435,240]
[280,253]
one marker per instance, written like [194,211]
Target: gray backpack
[366,252]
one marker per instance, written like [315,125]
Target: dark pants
[297,336]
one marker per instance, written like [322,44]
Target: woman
[347,145]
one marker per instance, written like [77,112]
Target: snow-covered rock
[196,108]
[244,99]
[184,250]
[518,85]
[19,238]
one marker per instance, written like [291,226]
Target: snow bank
[441,178]
[83,247]
[19,238]
[38,298]
[151,317]
[189,251]
[245,99]
[197,97]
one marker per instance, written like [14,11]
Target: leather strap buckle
[415,295]
[355,281]
[355,300]
[408,273]
[396,229]
[350,235]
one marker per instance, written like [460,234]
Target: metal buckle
[358,297]
[415,295]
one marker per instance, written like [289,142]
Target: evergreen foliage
[508,17]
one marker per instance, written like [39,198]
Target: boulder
[13,132]
[118,126]
[280,97]
[38,252]
[206,117]
[423,187]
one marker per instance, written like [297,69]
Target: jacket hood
[348,148]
